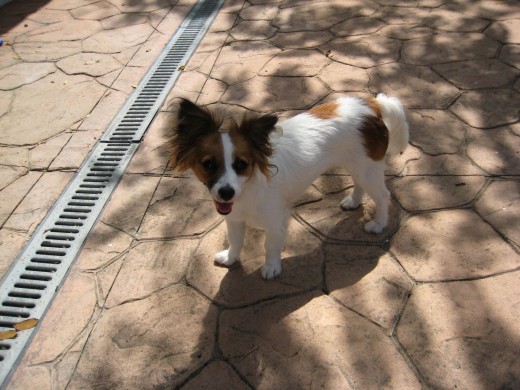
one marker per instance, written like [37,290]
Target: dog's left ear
[257,130]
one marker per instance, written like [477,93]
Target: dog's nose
[226,192]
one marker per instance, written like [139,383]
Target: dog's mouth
[224,208]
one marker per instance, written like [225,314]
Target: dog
[256,168]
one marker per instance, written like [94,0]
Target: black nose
[226,192]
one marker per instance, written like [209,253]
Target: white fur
[393,115]
[308,147]
[230,177]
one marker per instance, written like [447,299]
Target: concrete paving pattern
[433,302]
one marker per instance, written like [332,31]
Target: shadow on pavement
[427,318]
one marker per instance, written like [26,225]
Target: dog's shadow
[257,317]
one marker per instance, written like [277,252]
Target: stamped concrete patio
[433,302]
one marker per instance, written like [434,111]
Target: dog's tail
[394,117]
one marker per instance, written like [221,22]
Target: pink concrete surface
[432,302]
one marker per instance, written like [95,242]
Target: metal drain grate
[140,109]
[36,275]
[33,280]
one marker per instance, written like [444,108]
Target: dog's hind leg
[375,187]
[353,200]
[236,235]
[371,179]
[381,199]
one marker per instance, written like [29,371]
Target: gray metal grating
[30,285]
[140,109]
[36,275]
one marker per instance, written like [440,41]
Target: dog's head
[222,154]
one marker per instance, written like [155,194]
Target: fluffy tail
[395,119]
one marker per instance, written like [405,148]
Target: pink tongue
[224,208]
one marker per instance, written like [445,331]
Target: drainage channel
[29,287]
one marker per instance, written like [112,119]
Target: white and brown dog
[256,169]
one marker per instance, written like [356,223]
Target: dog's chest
[248,213]
[261,211]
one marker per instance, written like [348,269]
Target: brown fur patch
[208,148]
[195,142]
[242,151]
[325,110]
[375,133]
[251,140]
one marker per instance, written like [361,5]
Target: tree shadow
[411,70]
[14,14]
[257,318]
[267,331]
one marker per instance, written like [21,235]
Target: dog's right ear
[192,123]
[194,119]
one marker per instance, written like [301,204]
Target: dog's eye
[209,165]
[240,165]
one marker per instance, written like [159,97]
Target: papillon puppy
[255,169]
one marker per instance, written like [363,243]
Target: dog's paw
[373,227]
[349,204]
[271,270]
[224,259]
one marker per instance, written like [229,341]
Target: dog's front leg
[274,243]
[236,234]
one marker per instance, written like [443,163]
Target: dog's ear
[192,122]
[257,130]
[195,120]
